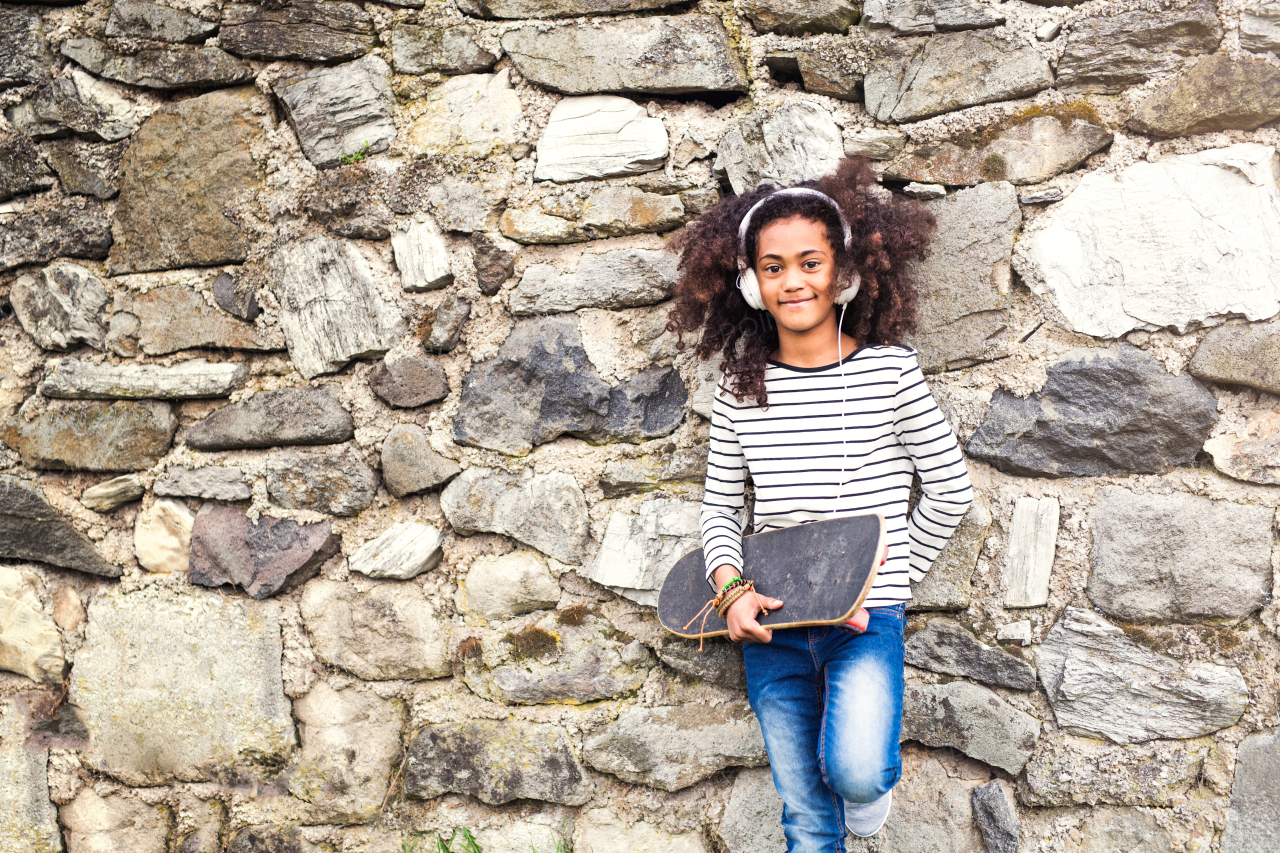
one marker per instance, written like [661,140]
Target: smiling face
[796,267]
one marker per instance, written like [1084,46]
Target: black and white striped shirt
[838,440]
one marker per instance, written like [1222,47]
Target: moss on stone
[532,642]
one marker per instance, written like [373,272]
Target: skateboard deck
[822,571]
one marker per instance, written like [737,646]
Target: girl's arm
[925,433]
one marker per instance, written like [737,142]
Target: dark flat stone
[273,556]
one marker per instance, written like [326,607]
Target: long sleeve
[924,432]
[724,499]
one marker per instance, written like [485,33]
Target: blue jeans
[830,706]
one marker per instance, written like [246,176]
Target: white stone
[405,550]
[626,278]
[84,104]
[1033,537]
[752,817]
[73,379]
[113,493]
[798,142]
[1015,632]
[877,143]
[640,548]
[1260,26]
[29,640]
[1048,31]
[475,115]
[924,191]
[422,256]
[508,585]
[1150,246]
[602,831]
[28,822]
[599,136]
[341,111]
[114,824]
[61,306]
[708,379]
[162,537]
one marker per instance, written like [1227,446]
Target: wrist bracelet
[730,582]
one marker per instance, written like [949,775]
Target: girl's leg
[784,685]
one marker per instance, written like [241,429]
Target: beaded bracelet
[736,579]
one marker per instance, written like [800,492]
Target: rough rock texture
[337,483]
[1260,26]
[404,550]
[174,68]
[932,806]
[212,701]
[29,640]
[184,166]
[658,55]
[599,136]
[29,821]
[452,50]
[1106,53]
[921,17]
[24,50]
[74,379]
[965,281]
[113,493]
[717,661]
[76,103]
[799,142]
[174,318]
[383,632]
[494,265]
[1138,419]
[30,529]
[1219,93]
[1254,816]
[331,309]
[61,306]
[212,482]
[263,558]
[475,115]
[422,256]
[1178,556]
[630,476]
[274,418]
[875,143]
[948,585]
[508,585]
[600,829]
[162,537]
[446,326]
[1252,453]
[86,169]
[339,111]
[674,747]
[114,822]
[638,549]
[971,719]
[947,647]
[996,815]
[555,8]
[951,71]
[610,211]
[1103,684]
[751,816]
[93,436]
[409,382]
[1240,355]
[236,300]
[496,761]
[23,171]
[1033,536]
[545,511]
[621,279]
[143,20]
[1070,770]
[410,465]
[797,17]
[74,229]
[311,30]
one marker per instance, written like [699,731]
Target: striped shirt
[838,440]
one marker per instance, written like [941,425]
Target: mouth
[793,303]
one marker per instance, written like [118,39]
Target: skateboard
[822,571]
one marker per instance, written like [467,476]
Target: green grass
[355,157]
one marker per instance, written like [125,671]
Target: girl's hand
[743,627]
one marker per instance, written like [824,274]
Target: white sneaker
[866,819]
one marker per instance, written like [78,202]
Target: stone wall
[343,448]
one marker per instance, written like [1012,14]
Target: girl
[829,413]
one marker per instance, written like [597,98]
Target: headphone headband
[746,220]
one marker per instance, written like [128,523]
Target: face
[796,266]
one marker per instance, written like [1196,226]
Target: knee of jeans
[864,786]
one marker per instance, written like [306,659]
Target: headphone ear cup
[750,287]
[846,295]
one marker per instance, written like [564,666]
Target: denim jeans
[830,706]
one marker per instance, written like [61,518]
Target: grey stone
[1015,632]
[718,661]
[947,647]
[94,436]
[384,632]
[569,657]
[61,306]
[350,201]
[952,71]
[751,821]
[214,703]
[237,301]
[460,201]
[925,192]
[963,316]
[932,806]
[1025,152]
[875,143]
[266,839]
[948,584]
[86,169]
[971,719]
[177,317]
[599,136]
[407,383]
[29,641]
[142,20]
[1251,452]
[1107,53]
[799,142]
[997,817]
[422,256]
[74,379]
[337,112]
[656,55]
[76,228]
[275,418]
[22,169]
[185,166]
[338,483]
[404,550]
[114,822]
[1069,770]
[1103,684]
[447,323]
[639,549]
[30,821]
[24,50]
[495,761]
[610,211]
[602,829]
[545,511]
[673,747]
[331,309]
[114,493]
[309,30]
[629,476]
[1240,355]
[498,588]
[625,278]
[1101,411]
[475,115]
[1033,537]
[452,50]
[1219,93]
[555,8]
[798,17]
[212,483]
[1178,556]
[162,68]
[409,465]
[921,17]
[1253,820]
[1260,26]
[493,265]
[1046,196]
[709,373]
[76,103]
[266,557]
[833,69]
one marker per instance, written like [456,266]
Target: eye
[812,265]
[773,269]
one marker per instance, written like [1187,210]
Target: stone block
[76,228]
[520,9]
[114,493]
[177,317]
[925,192]
[404,550]
[341,111]
[24,49]
[599,136]
[153,22]
[1015,632]
[1219,93]
[410,465]
[712,659]
[408,383]
[752,817]
[800,17]
[452,50]
[600,829]
[1068,770]
[643,474]
[475,115]
[798,142]
[22,169]
[309,30]
[922,17]
[74,379]
[947,647]
[160,68]
[77,103]
[94,436]
[117,822]
[971,719]
[639,549]
[1253,820]
[212,482]
[1103,684]
[234,298]
[422,256]
[1260,26]
[265,557]
[209,700]
[996,815]
[875,143]
[1178,556]
[86,169]
[545,511]
[447,323]
[948,584]
[275,418]
[162,537]
[61,306]
[29,822]
[1240,355]
[494,265]
[501,587]
[29,641]
[1252,452]
[1033,540]
[338,483]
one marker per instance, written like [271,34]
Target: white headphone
[749,285]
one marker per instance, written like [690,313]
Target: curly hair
[888,235]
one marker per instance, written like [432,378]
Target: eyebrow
[802,254]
